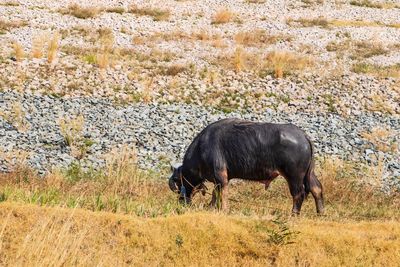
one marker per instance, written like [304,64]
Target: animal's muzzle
[172,185]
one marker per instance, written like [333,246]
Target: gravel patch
[161,133]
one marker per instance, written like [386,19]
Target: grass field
[126,216]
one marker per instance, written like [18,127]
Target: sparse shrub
[222,16]
[283,235]
[80,12]
[157,13]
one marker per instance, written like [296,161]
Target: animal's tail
[308,179]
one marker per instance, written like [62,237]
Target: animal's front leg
[215,195]
[222,178]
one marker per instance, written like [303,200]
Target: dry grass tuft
[175,69]
[377,70]
[259,37]
[10,3]
[16,117]
[281,64]
[379,102]
[371,4]
[157,13]
[255,1]
[222,16]
[324,23]
[18,51]
[81,12]
[305,22]
[240,60]
[38,44]
[8,25]
[363,49]
[53,47]
[106,47]
[382,139]
[117,9]
[72,131]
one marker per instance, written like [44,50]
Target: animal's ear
[175,166]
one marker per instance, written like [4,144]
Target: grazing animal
[234,148]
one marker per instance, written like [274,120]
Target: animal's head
[176,182]
[182,186]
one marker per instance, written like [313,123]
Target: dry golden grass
[157,13]
[65,226]
[222,16]
[34,236]
[81,12]
[284,63]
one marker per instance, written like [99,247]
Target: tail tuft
[307,177]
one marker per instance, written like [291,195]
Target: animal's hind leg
[316,191]
[298,193]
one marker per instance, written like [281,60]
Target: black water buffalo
[234,148]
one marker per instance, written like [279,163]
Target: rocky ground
[78,81]
[161,133]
